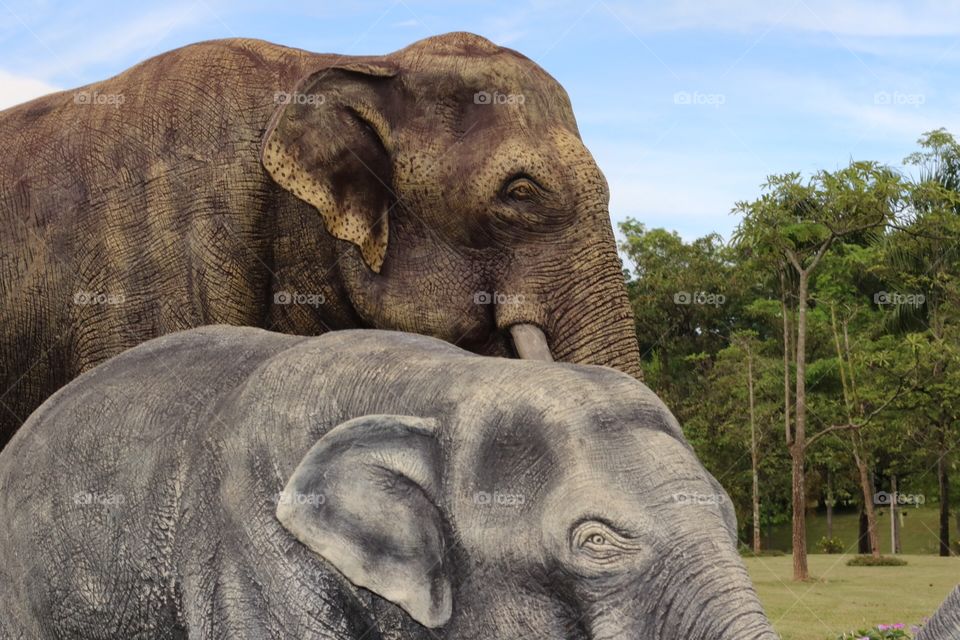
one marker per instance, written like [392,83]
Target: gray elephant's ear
[363,498]
[329,144]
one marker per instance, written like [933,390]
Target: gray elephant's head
[579,513]
[470,209]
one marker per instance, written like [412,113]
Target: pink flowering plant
[881,632]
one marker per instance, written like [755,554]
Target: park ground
[839,598]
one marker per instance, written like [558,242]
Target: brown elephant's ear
[329,144]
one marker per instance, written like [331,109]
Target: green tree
[795,223]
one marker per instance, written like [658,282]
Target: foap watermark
[498,498]
[898,98]
[295,297]
[311,99]
[697,98]
[300,499]
[699,297]
[911,299]
[486,97]
[100,99]
[884,499]
[85,298]
[93,498]
[498,298]
[699,498]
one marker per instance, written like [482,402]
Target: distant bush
[830,545]
[747,552]
[882,561]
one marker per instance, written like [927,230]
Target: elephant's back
[97,480]
[195,104]
[173,376]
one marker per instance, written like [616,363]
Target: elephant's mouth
[511,331]
[530,343]
[524,341]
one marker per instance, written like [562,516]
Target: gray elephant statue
[945,623]
[442,189]
[230,482]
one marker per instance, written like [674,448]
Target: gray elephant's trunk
[719,603]
[945,623]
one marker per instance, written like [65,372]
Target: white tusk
[530,342]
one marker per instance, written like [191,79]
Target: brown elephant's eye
[522,188]
[597,539]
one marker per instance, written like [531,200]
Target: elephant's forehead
[486,89]
[636,472]
[541,148]
[638,458]
[553,434]
[473,60]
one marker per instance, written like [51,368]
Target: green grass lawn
[842,598]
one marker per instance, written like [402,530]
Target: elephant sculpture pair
[229,482]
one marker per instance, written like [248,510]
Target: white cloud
[16,89]
[873,18]
[70,47]
[888,105]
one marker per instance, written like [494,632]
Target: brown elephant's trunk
[592,321]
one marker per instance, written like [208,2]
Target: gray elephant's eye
[600,542]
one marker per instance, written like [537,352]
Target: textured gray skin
[945,623]
[186,442]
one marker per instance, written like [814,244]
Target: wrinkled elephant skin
[442,189]
[231,482]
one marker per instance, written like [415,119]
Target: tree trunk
[799,534]
[830,503]
[786,359]
[849,399]
[863,538]
[866,487]
[754,457]
[956,517]
[799,449]
[943,482]
[894,516]
[829,517]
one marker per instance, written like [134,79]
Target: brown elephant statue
[442,189]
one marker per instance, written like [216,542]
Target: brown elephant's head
[470,208]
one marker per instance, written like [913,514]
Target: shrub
[830,545]
[870,561]
[747,552]
[880,632]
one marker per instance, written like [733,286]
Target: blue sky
[686,105]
